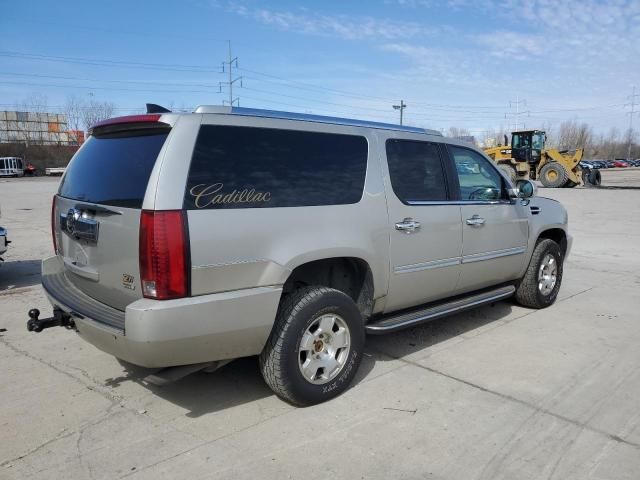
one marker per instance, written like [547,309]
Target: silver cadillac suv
[186,239]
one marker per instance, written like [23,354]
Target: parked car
[599,164]
[618,163]
[240,232]
[586,164]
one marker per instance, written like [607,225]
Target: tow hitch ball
[59,319]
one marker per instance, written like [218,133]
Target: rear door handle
[408,225]
[475,221]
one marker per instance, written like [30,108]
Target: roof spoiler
[153,108]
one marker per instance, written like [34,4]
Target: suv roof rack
[306,117]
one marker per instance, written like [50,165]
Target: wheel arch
[351,275]
[558,235]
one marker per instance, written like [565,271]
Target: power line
[110,63]
[60,77]
[229,64]
[94,87]
[400,107]
[516,115]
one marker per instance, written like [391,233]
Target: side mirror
[525,189]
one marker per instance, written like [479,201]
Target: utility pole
[516,115]
[229,65]
[631,114]
[400,107]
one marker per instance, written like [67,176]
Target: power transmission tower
[516,115]
[632,99]
[229,84]
[400,107]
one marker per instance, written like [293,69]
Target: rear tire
[553,175]
[541,282]
[318,331]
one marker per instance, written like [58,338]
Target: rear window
[113,170]
[245,167]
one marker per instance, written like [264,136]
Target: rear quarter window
[246,167]
[113,169]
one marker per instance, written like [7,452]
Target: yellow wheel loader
[526,157]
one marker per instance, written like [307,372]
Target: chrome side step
[404,320]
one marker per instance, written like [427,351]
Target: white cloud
[564,54]
[347,28]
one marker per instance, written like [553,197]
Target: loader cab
[527,145]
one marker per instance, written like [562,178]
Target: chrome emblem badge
[73,216]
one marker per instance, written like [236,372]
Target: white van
[11,167]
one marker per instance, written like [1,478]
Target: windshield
[538,141]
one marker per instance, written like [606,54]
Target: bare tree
[74,111]
[573,135]
[95,111]
[456,132]
[495,137]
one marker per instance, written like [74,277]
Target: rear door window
[416,171]
[113,169]
[246,167]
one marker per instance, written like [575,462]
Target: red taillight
[164,254]
[53,225]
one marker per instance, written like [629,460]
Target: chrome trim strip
[460,202]
[231,263]
[406,320]
[416,267]
[480,257]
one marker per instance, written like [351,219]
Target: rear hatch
[97,210]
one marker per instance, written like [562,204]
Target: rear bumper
[171,332]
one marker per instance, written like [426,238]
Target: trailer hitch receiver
[59,319]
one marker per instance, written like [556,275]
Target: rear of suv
[184,239]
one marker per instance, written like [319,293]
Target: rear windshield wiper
[97,209]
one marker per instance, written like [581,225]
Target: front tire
[315,347]
[541,282]
[553,175]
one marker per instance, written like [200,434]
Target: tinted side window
[246,167]
[112,170]
[478,179]
[416,171]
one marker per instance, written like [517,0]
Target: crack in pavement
[95,387]
[37,448]
[535,408]
[208,442]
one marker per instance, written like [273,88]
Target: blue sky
[454,62]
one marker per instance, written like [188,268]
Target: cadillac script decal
[214,194]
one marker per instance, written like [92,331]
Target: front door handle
[408,225]
[475,221]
